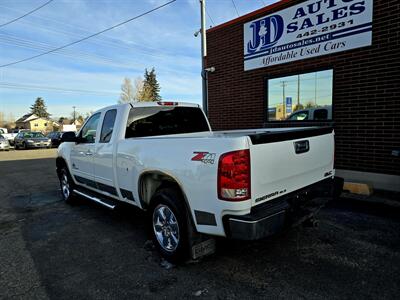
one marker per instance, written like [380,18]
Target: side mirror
[69,136]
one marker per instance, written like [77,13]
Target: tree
[2,120]
[309,104]
[127,94]
[151,87]
[39,108]
[298,107]
[61,120]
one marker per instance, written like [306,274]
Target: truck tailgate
[288,160]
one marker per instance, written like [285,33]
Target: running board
[95,199]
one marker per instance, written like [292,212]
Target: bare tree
[2,120]
[138,88]
[127,92]
[10,121]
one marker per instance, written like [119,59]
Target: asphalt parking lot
[49,249]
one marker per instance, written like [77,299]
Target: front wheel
[169,225]
[66,185]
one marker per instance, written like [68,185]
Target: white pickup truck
[9,136]
[163,158]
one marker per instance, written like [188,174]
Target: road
[51,250]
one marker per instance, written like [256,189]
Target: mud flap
[204,248]
[199,244]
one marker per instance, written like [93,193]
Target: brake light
[167,103]
[234,176]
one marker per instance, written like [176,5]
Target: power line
[234,5]
[75,55]
[82,55]
[104,40]
[110,41]
[16,86]
[27,14]
[209,16]
[90,36]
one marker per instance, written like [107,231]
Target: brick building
[359,86]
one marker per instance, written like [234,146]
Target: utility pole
[74,113]
[298,91]
[283,84]
[315,95]
[204,55]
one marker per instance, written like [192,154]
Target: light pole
[74,113]
[283,83]
[204,55]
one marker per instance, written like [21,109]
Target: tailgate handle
[301,146]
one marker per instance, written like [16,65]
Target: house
[32,122]
[77,123]
[70,125]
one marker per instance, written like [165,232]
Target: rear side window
[152,121]
[108,126]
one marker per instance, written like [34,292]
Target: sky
[89,74]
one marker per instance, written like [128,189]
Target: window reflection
[301,97]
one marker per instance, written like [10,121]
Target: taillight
[234,176]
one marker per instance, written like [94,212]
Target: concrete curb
[375,199]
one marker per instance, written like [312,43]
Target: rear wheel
[169,221]
[66,185]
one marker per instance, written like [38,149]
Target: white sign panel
[309,29]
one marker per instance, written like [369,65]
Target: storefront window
[302,97]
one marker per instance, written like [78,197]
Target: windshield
[33,135]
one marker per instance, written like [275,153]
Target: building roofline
[250,15]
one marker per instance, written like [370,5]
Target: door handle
[88,153]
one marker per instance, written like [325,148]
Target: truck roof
[150,104]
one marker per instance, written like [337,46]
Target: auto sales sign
[310,29]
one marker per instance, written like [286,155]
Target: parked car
[31,139]
[195,183]
[55,138]
[10,136]
[316,113]
[4,143]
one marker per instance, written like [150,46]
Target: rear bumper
[273,216]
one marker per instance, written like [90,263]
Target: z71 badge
[204,157]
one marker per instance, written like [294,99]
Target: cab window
[88,133]
[108,126]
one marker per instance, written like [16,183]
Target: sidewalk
[390,199]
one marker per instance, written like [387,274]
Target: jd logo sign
[309,29]
[265,33]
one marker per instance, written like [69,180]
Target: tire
[24,146]
[16,146]
[169,221]
[66,185]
